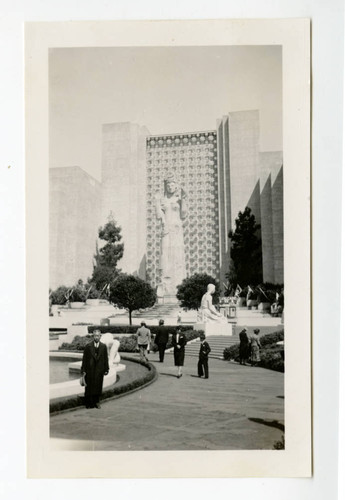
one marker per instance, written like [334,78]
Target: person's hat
[202,336]
[256,330]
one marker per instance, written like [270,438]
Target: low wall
[73,387]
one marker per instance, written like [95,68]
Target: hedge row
[133,328]
[272,356]
[127,343]
[68,403]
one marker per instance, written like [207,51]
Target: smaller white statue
[112,348]
[207,311]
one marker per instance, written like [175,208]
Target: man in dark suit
[94,366]
[205,350]
[161,339]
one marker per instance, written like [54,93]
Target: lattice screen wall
[192,158]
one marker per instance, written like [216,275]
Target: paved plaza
[237,408]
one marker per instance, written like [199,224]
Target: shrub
[232,352]
[272,359]
[77,344]
[191,290]
[128,344]
[266,295]
[78,295]
[93,293]
[59,296]
[272,338]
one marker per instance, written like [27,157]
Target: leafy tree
[191,290]
[106,259]
[131,293]
[246,251]
[102,276]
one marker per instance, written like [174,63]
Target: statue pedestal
[214,328]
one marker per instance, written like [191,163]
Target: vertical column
[266,218]
[221,197]
[224,190]
[278,225]
[124,189]
[74,212]
[244,163]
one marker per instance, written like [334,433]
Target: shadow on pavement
[270,423]
[168,374]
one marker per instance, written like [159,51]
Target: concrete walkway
[237,408]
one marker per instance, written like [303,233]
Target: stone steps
[217,344]
[158,311]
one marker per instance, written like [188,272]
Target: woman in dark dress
[244,346]
[179,341]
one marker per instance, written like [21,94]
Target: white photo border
[294,37]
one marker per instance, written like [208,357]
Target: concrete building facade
[222,171]
[74,215]
[254,179]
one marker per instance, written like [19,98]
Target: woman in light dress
[255,347]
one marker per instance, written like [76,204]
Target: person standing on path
[94,366]
[179,342]
[244,346]
[255,347]
[143,341]
[205,350]
[161,339]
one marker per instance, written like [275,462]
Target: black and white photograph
[168,214]
[169,294]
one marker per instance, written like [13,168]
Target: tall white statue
[207,312]
[171,209]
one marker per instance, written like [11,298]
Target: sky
[167,89]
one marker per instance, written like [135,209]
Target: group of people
[95,364]
[249,347]
[179,342]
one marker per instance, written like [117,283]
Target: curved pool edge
[72,387]
[75,402]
